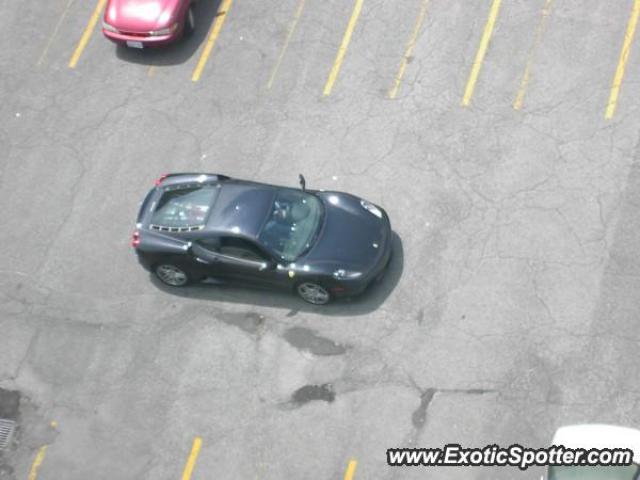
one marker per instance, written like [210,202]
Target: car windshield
[629,472]
[184,206]
[292,224]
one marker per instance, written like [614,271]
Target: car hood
[351,237]
[590,436]
[141,15]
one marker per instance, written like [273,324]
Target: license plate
[134,44]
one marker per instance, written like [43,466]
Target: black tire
[189,21]
[172,275]
[314,293]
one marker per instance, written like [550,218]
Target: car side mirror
[194,249]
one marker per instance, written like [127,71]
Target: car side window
[211,243]
[241,249]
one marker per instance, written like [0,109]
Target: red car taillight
[135,239]
[162,177]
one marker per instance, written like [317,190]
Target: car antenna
[303,182]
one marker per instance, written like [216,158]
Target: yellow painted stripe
[55,32]
[87,33]
[351,469]
[191,461]
[152,70]
[622,62]
[211,40]
[292,28]
[342,51]
[546,10]
[482,50]
[409,50]
[35,466]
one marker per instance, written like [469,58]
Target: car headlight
[345,274]
[108,27]
[164,31]
[371,208]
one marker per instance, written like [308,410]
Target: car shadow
[181,51]
[361,305]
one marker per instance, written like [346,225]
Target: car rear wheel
[189,21]
[313,293]
[172,275]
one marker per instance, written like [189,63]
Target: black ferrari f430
[318,244]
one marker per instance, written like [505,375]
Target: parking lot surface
[501,137]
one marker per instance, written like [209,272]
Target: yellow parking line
[409,50]
[152,70]
[211,41]
[55,32]
[517,104]
[482,50]
[351,469]
[87,33]
[622,63]
[292,28]
[35,466]
[191,461]
[343,48]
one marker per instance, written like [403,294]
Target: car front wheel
[313,293]
[172,275]
[189,22]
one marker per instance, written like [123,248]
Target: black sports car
[318,244]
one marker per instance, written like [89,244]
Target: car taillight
[162,177]
[135,239]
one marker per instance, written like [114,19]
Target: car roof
[599,436]
[241,208]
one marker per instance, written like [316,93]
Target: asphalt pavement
[501,137]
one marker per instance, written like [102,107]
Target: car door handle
[207,262]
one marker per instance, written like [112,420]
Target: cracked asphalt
[511,305]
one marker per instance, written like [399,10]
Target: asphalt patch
[249,322]
[9,404]
[419,417]
[309,393]
[306,339]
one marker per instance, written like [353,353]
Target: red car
[147,23]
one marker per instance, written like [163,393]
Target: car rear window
[184,206]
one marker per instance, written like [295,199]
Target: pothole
[306,339]
[309,393]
